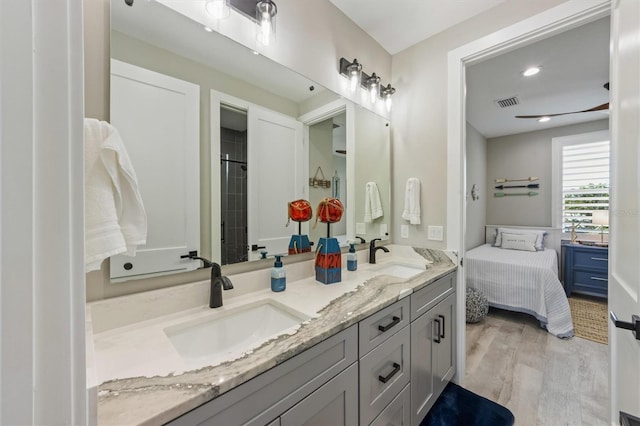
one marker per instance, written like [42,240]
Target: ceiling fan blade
[602,107]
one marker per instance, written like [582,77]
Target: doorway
[554,21]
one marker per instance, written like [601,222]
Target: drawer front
[429,296]
[384,372]
[398,412]
[592,259]
[591,282]
[383,324]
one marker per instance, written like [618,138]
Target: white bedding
[521,281]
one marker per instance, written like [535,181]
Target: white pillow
[539,236]
[524,242]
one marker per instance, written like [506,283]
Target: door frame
[318,115]
[553,21]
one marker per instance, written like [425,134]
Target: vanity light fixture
[353,72]
[373,86]
[385,93]
[219,9]
[531,71]
[543,119]
[266,11]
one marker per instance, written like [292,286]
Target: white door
[158,118]
[624,249]
[274,178]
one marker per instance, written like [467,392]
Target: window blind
[585,185]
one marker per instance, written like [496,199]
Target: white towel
[412,201]
[115,220]
[372,204]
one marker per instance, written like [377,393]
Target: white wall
[476,174]
[419,116]
[523,155]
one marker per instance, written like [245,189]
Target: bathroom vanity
[376,348]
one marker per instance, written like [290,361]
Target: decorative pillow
[539,236]
[524,242]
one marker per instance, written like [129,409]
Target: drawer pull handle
[599,279]
[384,328]
[385,379]
[437,338]
[443,327]
[604,259]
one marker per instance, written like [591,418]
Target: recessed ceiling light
[531,71]
[207,29]
[543,119]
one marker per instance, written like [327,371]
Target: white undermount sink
[226,335]
[399,269]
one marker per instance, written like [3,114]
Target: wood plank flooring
[543,380]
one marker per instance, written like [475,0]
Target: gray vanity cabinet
[335,403]
[432,344]
[386,370]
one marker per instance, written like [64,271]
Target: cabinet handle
[604,259]
[437,339]
[443,326]
[384,328]
[599,279]
[385,379]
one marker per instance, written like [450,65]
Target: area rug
[589,319]
[458,406]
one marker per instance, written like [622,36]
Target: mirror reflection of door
[233,185]
[327,153]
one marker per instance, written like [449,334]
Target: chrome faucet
[218,281]
[373,249]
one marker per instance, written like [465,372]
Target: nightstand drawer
[591,282]
[590,259]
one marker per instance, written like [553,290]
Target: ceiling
[409,21]
[575,66]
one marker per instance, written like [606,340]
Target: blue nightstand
[586,270]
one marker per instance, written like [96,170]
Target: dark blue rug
[458,406]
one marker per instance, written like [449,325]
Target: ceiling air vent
[507,102]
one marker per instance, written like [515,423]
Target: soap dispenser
[352,258]
[278,275]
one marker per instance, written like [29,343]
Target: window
[581,183]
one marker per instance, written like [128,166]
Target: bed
[521,280]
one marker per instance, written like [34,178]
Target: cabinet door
[444,347]
[335,403]
[398,412]
[422,392]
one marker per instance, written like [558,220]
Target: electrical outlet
[361,228]
[404,231]
[383,230]
[435,233]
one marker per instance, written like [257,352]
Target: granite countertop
[145,381]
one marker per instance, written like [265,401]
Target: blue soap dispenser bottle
[352,258]
[278,275]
